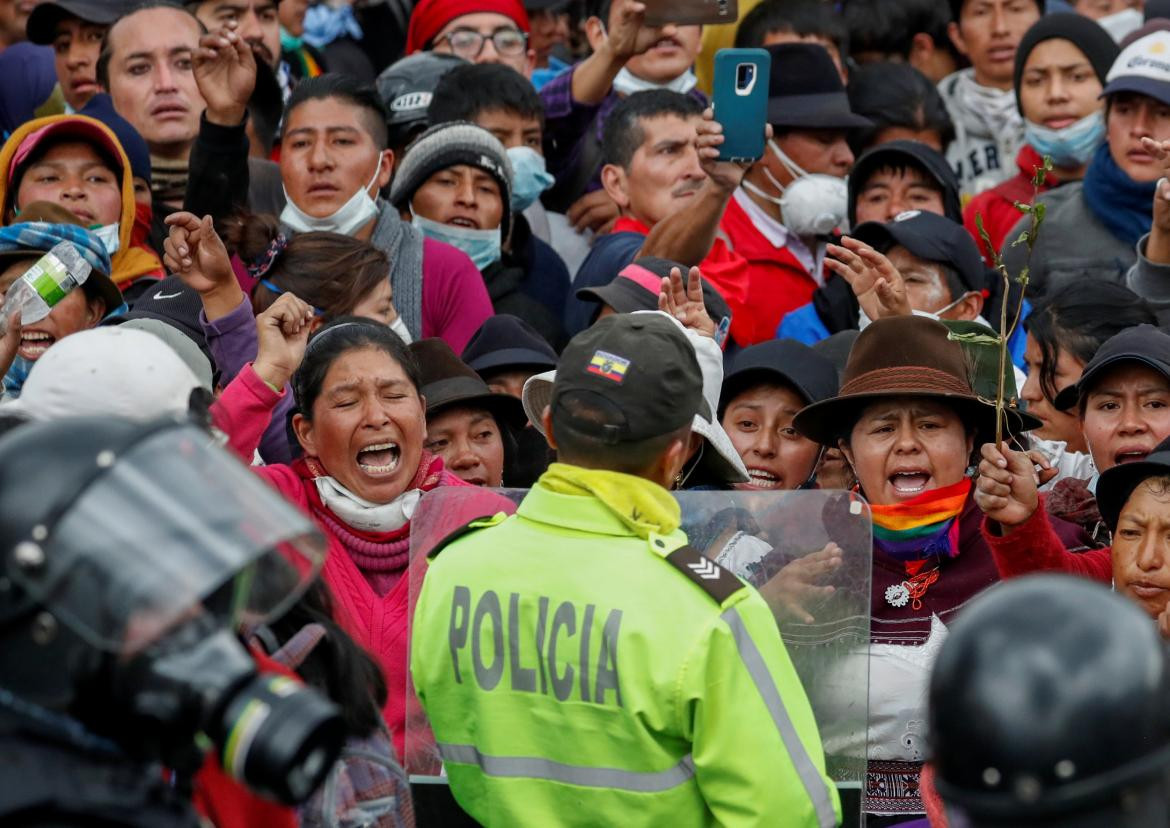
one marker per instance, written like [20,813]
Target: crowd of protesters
[381,248]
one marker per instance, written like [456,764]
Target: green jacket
[573,675]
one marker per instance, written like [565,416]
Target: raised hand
[225,70]
[877,284]
[798,585]
[726,175]
[1005,488]
[593,211]
[283,333]
[9,343]
[195,252]
[626,32]
[685,302]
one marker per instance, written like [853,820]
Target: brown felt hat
[906,356]
[448,382]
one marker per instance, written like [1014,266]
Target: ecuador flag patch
[608,365]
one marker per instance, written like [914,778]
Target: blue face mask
[1071,146]
[529,177]
[481,246]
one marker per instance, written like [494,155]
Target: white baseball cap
[1142,67]
[106,372]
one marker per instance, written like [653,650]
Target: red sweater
[1033,546]
[777,282]
[998,205]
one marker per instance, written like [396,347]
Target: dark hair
[1078,318]
[105,55]
[345,672]
[349,90]
[806,18]
[579,448]
[265,107]
[330,271]
[466,91]
[888,26]
[344,334]
[895,95]
[622,134]
[42,149]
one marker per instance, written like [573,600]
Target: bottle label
[50,278]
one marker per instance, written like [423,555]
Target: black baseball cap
[813,375]
[42,22]
[1144,344]
[1117,484]
[637,285]
[932,237]
[170,301]
[505,341]
[628,378]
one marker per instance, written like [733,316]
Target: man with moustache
[186,93]
[659,165]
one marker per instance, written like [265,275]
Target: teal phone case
[740,101]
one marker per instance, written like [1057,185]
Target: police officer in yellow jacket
[580,663]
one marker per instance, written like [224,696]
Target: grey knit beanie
[447,145]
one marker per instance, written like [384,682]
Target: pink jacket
[379,623]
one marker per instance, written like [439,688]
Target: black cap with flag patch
[629,377]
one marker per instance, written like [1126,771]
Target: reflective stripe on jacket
[574,676]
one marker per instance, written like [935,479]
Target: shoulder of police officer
[718,583]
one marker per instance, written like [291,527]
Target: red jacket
[725,270]
[1034,546]
[998,205]
[777,282]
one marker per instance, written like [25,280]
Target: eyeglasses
[468,43]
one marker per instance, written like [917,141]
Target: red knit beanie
[430,16]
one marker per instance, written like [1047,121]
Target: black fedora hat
[805,90]
[505,341]
[447,382]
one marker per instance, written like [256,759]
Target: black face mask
[198,683]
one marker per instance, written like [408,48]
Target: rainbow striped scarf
[923,527]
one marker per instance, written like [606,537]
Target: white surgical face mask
[814,204]
[349,217]
[1121,23]
[399,327]
[359,513]
[108,233]
[627,83]
[481,246]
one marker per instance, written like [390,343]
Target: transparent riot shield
[808,553]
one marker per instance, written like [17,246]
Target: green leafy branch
[1028,236]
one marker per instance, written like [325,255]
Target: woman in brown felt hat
[909,424]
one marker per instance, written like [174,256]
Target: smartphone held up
[739,100]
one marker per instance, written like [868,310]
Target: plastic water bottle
[47,282]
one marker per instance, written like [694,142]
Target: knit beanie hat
[448,145]
[1084,33]
[431,16]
